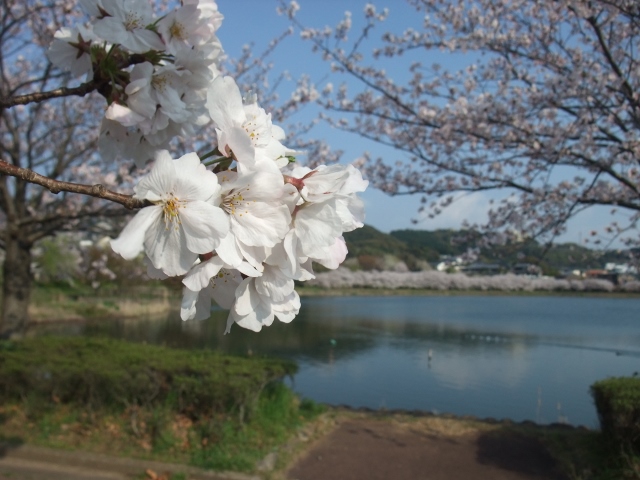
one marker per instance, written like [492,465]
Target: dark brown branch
[626,89]
[80,91]
[57,186]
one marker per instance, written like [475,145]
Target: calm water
[523,358]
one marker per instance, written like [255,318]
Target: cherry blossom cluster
[241,227]
[342,278]
[158,70]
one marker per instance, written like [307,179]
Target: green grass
[585,454]
[239,448]
[212,442]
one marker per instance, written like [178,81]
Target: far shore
[71,307]
[375,292]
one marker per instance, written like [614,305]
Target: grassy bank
[63,303]
[78,303]
[106,396]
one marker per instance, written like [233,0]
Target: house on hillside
[621,268]
[482,269]
[448,263]
[603,275]
[527,269]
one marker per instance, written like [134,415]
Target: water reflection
[506,357]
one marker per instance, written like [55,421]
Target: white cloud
[388,213]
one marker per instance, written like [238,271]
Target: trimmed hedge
[618,403]
[99,373]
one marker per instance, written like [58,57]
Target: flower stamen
[170,210]
[235,201]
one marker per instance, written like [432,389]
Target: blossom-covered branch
[544,107]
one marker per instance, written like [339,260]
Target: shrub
[370,262]
[618,403]
[97,373]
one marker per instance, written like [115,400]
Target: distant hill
[412,246]
[430,245]
[369,241]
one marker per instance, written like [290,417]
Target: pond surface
[523,358]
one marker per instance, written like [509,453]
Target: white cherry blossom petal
[247,299]
[200,275]
[159,180]
[195,305]
[224,286]
[235,141]
[330,257]
[123,115]
[167,249]
[204,226]
[224,102]
[130,242]
[229,250]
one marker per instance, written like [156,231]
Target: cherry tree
[55,139]
[239,221]
[545,111]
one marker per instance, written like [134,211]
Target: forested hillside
[412,246]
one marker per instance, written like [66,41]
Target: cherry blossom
[185,219]
[156,95]
[244,131]
[434,280]
[185,27]
[221,288]
[211,280]
[259,217]
[126,24]
[70,50]
[262,299]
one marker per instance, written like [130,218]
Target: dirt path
[372,449]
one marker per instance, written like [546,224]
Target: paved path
[366,449]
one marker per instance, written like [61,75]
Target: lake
[522,358]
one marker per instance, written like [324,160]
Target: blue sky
[256,21]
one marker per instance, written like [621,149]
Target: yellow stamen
[177,31]
[170,209]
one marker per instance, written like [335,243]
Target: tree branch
[56,186]
[626,88]
[38,97]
